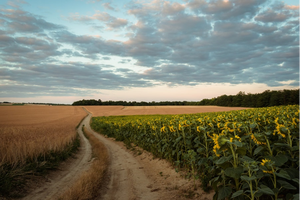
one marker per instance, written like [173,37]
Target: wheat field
[27,132]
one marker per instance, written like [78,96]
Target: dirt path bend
[60,181]
[137,175]
[126,179]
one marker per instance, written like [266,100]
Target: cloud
[225,9]
[167,43]
[16,21]
[112,23]
[271,16]
[53,77]
[116,23]
[172,8]
[108,6]
[26,49]
[16,3]
[90,45]
[211,44]
[291,7]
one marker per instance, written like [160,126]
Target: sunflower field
[245,154]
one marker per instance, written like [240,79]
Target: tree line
[264,99]
[132,103]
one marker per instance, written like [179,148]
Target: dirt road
[126,177]
[132,175]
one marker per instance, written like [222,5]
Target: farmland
[251,153]
[151,110]
[31,135]
[238,152]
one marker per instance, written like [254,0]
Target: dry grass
[28,132]
[87,186]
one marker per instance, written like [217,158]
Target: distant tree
[267,98]
[275,98]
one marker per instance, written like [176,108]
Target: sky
[142,50]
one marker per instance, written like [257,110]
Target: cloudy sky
[62,51]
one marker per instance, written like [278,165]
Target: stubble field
[153,110]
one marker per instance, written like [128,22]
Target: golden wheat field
[27,132]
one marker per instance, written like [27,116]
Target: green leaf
[296,180]
[178,139]
[237,193]
[215,185]
[246,158]
[234,172]
[266,190]
[289,196]
[286,185]
[260,174]
[202,161]
[188,142]
[258,194]
[282,145]
[275,190]
[295,148]
[173,152]
[294,173]
[268,132]
[200,150]
[279,159]
[283,174]
[258,149]
[241,151]
[245,186]
[296,197]
[252,126]
[283,130]
[224,192]
[247,178]
[237,143]
[214,180]
[223,160]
